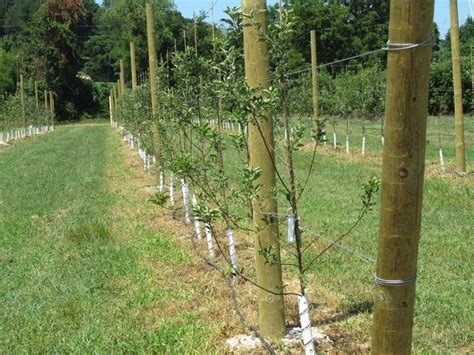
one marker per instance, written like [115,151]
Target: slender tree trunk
[458,114]
[153,85]
[133,66]
[257,69]
[402,175]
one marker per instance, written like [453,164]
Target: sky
[188,7]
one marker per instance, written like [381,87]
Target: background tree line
[73,47]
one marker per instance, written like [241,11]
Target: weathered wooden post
[314,77]
[36,96]
[133,66]
[409,57]
[22,97]
[153,85]
[51,107]
[257,70]
[458,110]
[122,77]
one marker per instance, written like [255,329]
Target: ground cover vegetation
[208,145]
[207,141]
[81,268]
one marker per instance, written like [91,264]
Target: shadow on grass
[353,310]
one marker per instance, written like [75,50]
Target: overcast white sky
[188,7]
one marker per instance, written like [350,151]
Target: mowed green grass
[343,277]
[70,282]
[443,320]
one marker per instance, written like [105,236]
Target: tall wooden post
[261,145]
[458,114]
[153,83]
[51,107]
[111,108]
[411,22]
[122,77]
[314,77]
[36,97]
[119,91]
[46,101]
[195,36]
[22,97]
[133,66]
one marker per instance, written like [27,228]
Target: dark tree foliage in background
[73,48]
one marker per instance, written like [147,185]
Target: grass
[342,280]
[85,271]
[77,260]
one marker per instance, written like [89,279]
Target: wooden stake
[122,77]
[22,97]
[402,175]
[314,76]
[153,84]
[195,36]
[36,96]
[133,66]
[51,107]
[261,145]
[46,100]
[458,114]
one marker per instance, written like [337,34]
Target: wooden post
[22,97]
[314,76]
[411,22]
[153,84]
[261,146]
[122,77]
[133,66]
[111,109]
[46,100]
[51,107]
[458,114]
[36,96]
[120,93]
[195,36]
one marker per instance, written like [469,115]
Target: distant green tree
[7,71]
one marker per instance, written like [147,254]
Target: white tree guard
[232,251]
[291,229]
[185,191]
[334,140]
[305,321]
[363,145]
[347,144]
[197,223]
[441,160]
[172,189]
[210,245]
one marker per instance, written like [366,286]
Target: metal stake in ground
[261,146]
[411,23]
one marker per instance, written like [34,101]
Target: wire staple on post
[401,282]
